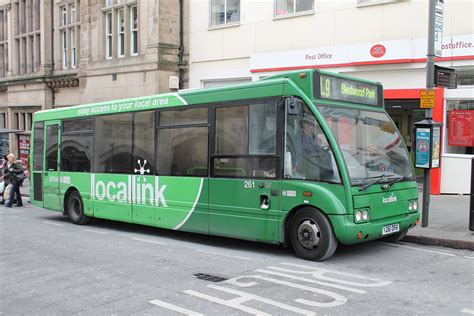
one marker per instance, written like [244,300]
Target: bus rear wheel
[312,236]
[75,209]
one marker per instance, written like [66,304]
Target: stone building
[57,53]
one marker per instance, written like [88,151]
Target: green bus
[304,158]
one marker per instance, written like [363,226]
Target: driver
[317,161]
[309,141]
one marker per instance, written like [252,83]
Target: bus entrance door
[244,208]
[51,179]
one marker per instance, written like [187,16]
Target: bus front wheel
[75,209]
[312,236]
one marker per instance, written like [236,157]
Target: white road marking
[243,297]
[223,255]
[305,279]
[468,257]
[419,249]
[150,241]
[175,308]
[337,299]
[96,231]
[319,273]
[468,311]
[51,223]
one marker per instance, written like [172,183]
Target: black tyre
[75,209]
[395,237]
[312,236]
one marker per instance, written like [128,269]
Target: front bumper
[347,231]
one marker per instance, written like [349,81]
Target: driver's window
[307,152]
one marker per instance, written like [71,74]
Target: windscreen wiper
[368,185]
[379,179]
[398,179]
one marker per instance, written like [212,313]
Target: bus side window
[245,141]
[182,142]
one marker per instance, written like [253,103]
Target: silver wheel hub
[308,234]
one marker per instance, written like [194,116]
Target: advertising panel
[461,128]
[24,149]
[422,148]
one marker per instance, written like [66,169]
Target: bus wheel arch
[74,207]
[311,234]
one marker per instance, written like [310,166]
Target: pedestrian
[14,176]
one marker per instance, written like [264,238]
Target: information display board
[461,128]
[336,88]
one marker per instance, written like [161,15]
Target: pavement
[448,222]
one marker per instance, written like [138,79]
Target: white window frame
[73,12]
[108,36]
[120,33]
[133,31]
[108,3]
[64,47]
[294,10]
[63,15]
[73,48]
[225,15]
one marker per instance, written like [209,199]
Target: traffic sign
[427,99]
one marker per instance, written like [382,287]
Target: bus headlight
[365,215]
[358,216]
[412,206]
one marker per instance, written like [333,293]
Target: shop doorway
[405,113]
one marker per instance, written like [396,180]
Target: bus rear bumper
[347,232]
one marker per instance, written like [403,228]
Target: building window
[69,30]
[3,43]
[108,35]
[26,37]
[73,13]
[285,7]
[73,49]
[121,33]
[63,15]
[64,48]
[225,12]
[133,31]
[108,3]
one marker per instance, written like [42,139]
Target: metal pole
[428,112]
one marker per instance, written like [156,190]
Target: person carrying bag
[15,175]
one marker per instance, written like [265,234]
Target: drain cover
[209,277]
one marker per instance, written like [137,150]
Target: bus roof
[189,96]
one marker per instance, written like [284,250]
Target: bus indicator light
[302,75]
[359,235]
[306,193]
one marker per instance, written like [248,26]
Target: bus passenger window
[248,131]
[76,145]
[182,142]
[113,143]
[144,141]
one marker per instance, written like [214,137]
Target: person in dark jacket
[14,168]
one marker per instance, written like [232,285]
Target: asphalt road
[49,266]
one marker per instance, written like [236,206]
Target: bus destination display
[346,90]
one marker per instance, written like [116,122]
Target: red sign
[24,149]
[378,51]
[461,128]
